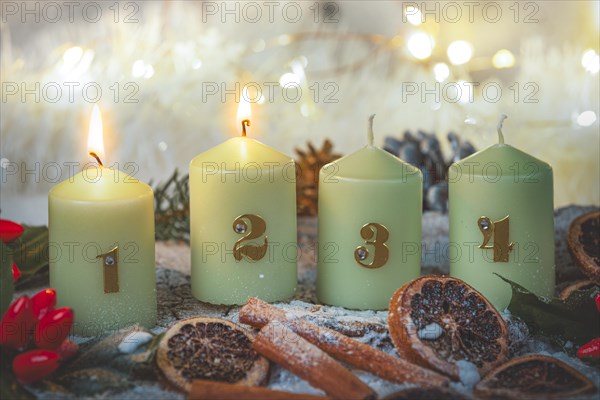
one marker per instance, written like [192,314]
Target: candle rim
[256,146]
[392,164]
[125,188]
[491,151]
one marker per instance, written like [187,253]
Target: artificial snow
[430,332]
[468,373]
[134,340]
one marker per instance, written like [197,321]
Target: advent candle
[370,206]
[502,222]
[101,226]
[243,220]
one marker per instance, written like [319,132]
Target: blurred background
[167,76]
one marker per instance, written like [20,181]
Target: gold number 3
[257,228]
[375,235]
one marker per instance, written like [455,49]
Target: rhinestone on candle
[484,223]
[361,253]
[240,227]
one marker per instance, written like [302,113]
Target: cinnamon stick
[210,390]
[359,355]
[280,344]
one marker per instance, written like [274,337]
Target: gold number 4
[375,235]
[499,231]
[253,227]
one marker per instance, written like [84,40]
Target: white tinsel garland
[170,57]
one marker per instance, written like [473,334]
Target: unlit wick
[499,128]
[370,135]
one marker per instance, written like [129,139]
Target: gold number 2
[375,235]
[499,231]
[253,227]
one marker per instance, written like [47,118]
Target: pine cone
[423,151]
[308,165]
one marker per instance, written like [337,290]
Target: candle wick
[97,158]
[245,123]
[370,135]
[499,128]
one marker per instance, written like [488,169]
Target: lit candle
[502,221]
[101,226]
[243,220]
[370,206]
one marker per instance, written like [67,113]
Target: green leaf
[575,319]
[31,252]
[172,208]
[6,278]
[146,370]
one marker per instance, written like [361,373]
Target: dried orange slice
[211,349]
[436,321]
[534,377]
[584,243]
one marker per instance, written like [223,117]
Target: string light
[591,61]
[465,90]
[460,52]
[197,64]
[284,40]
[288,79]
[441,72]
[75,63]
[72,56]
[413,15]
[420,45]
[586,118]
[141,69]
[503,59]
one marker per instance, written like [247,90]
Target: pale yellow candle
[101,226]
[370,207]
[243,222]
[502,221]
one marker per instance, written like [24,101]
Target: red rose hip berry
[16,272]
[17,323]
[9,230]
[67,350]
[43,302]
[34,365]
[590,350]
[54,328]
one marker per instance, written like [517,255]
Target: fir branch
[172,208]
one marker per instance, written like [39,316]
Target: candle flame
[95,140]
[244,111]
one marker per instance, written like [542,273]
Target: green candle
[502,222]
[101,227]
[243,222]
[370,206]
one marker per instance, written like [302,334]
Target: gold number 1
[110,268]
[375,235]
[499,231]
